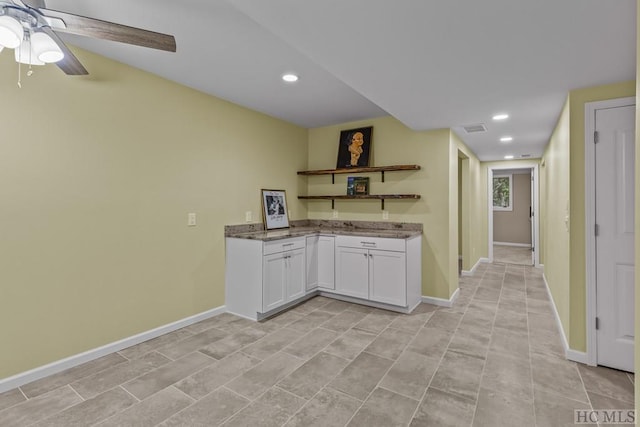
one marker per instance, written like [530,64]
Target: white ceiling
[431,64]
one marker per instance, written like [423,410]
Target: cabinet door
[273,281]
[312,262]
[352,272]
[295,274]
[326,262]
[387,277]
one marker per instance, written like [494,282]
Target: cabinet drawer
[275,246]
[385,244]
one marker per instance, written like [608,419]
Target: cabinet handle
[365,255]
[287,244]
[368,243]
[370,255]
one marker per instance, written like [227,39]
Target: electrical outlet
[385,214]
[335,214]
[248,216]
[191,219]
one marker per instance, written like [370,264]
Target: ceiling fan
[31,29]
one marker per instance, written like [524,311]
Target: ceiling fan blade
[34,4]
[96,28]
[69,64]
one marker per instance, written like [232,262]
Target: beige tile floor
[512,255]
[494,359]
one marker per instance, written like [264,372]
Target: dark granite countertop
[393,230]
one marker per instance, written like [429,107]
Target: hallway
[512,255]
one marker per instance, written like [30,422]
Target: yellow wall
[565,196]
[637,208]
[578,334]
[393,143]
[554,195]
[474,239]
[98,174]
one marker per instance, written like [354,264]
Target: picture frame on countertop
[274,209]
[354,148]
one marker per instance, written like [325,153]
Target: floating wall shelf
[368,169]
[381,197]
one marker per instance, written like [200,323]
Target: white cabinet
[263,276]
[326,270]
[320,262]
[312,263]
[352,272]
[387,277]
[283,278]
[376,269]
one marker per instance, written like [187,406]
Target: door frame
[536,198]
[590,215]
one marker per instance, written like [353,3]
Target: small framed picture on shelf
[274,209]
[354,148]
[357,186]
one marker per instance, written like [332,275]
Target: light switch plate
[385,214]
[335,214]
[248,216]
[191,219]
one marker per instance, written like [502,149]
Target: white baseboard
[570,354]
[78,359]
[576,356]
[441,301]
[519,245]
[473,269]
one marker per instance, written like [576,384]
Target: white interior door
[614,215]
[531,219]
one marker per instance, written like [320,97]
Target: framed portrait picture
[274,209]
[354,148]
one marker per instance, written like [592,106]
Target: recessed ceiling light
[290,78]
[509,157]
[501,116]
[506,139]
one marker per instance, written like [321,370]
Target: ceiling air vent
[524,156]
[479,127]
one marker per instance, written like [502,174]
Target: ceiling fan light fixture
[45,49]
[11,32]
[24,54]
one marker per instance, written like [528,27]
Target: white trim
[441,301]
[329,293]
[23,378]
[519,245]
[577,356]
[570,354]
[536,208]
[473,269]
[590,219]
